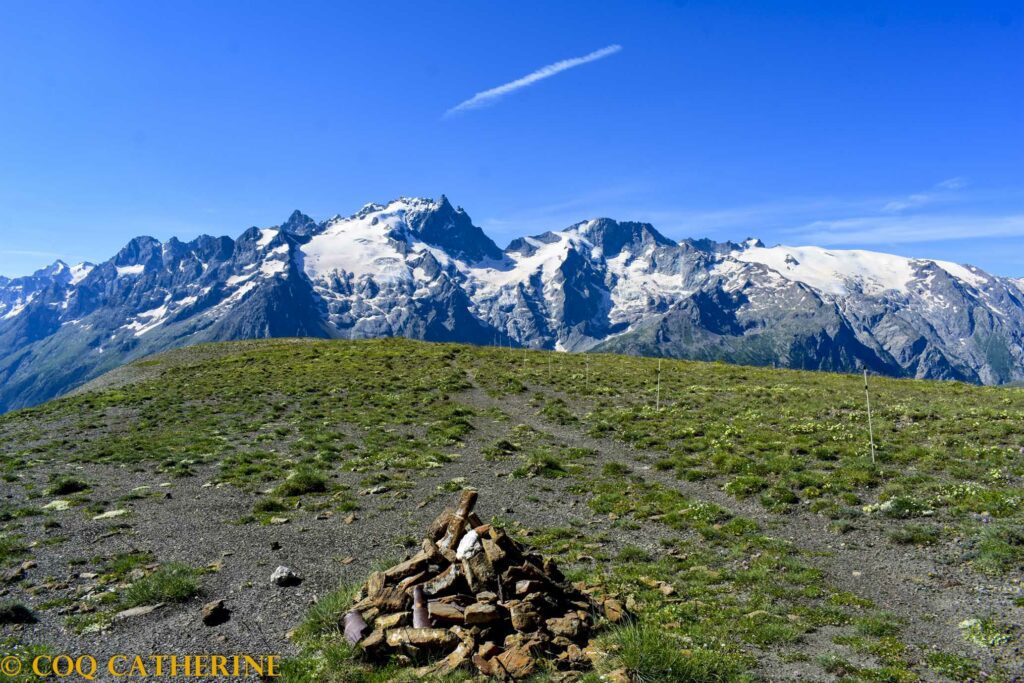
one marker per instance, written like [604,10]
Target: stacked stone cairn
[474,598]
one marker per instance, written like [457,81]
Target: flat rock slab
[137,611]
[110,514]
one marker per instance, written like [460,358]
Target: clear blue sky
[883,125]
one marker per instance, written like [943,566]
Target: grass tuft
[303,481]
[173,582]
[650,655]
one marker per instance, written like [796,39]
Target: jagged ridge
[420,268]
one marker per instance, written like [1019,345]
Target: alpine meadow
[534,342]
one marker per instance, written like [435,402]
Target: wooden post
[456,524]
[657,400]
[871,430]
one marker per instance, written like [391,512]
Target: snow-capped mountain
[420,268]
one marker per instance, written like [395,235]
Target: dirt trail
[933,596]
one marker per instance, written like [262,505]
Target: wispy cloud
[486,97]
[868,230]
[944,191]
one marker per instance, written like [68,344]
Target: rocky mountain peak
[299,224]
[442,225]
[615,236]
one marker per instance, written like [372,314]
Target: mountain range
[420,268]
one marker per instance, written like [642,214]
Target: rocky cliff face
[421,269]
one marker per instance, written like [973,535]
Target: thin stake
[871,430]
[657,400]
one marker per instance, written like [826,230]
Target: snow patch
[962,273]
[266,237]
[835,271]
[80,271]
[17,309]
[130,270]
[360,245]
[147,320]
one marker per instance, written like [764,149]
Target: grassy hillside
[738,509]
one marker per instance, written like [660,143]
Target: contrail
[489,96]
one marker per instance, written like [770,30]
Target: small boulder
[215,613]
[284,577]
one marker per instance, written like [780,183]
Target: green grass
[914,534]
[169,583]
[11,549]
[1000,549]
[25,653]
[956,667]
[649,656]
[303,481]
[295,416]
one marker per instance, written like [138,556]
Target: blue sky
[881,125]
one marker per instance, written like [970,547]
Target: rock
[570,626]
[443,582]
[58,505]
[444,612]
[283,576]
[375,584]
[137,611]
[351,518]
[488,649]
[429,638]
[486,597]
[17,573]
[373,642]
[524,617]
[279,520]
[391,621]
[110,514]
[515,663]
[615,611]
[391,599]
[495,553]
[348,560]
[479,613]
[215,613]
[410,566]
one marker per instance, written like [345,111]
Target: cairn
[472,597]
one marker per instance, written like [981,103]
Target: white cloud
[908,229]
[944,191]
[490,96]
